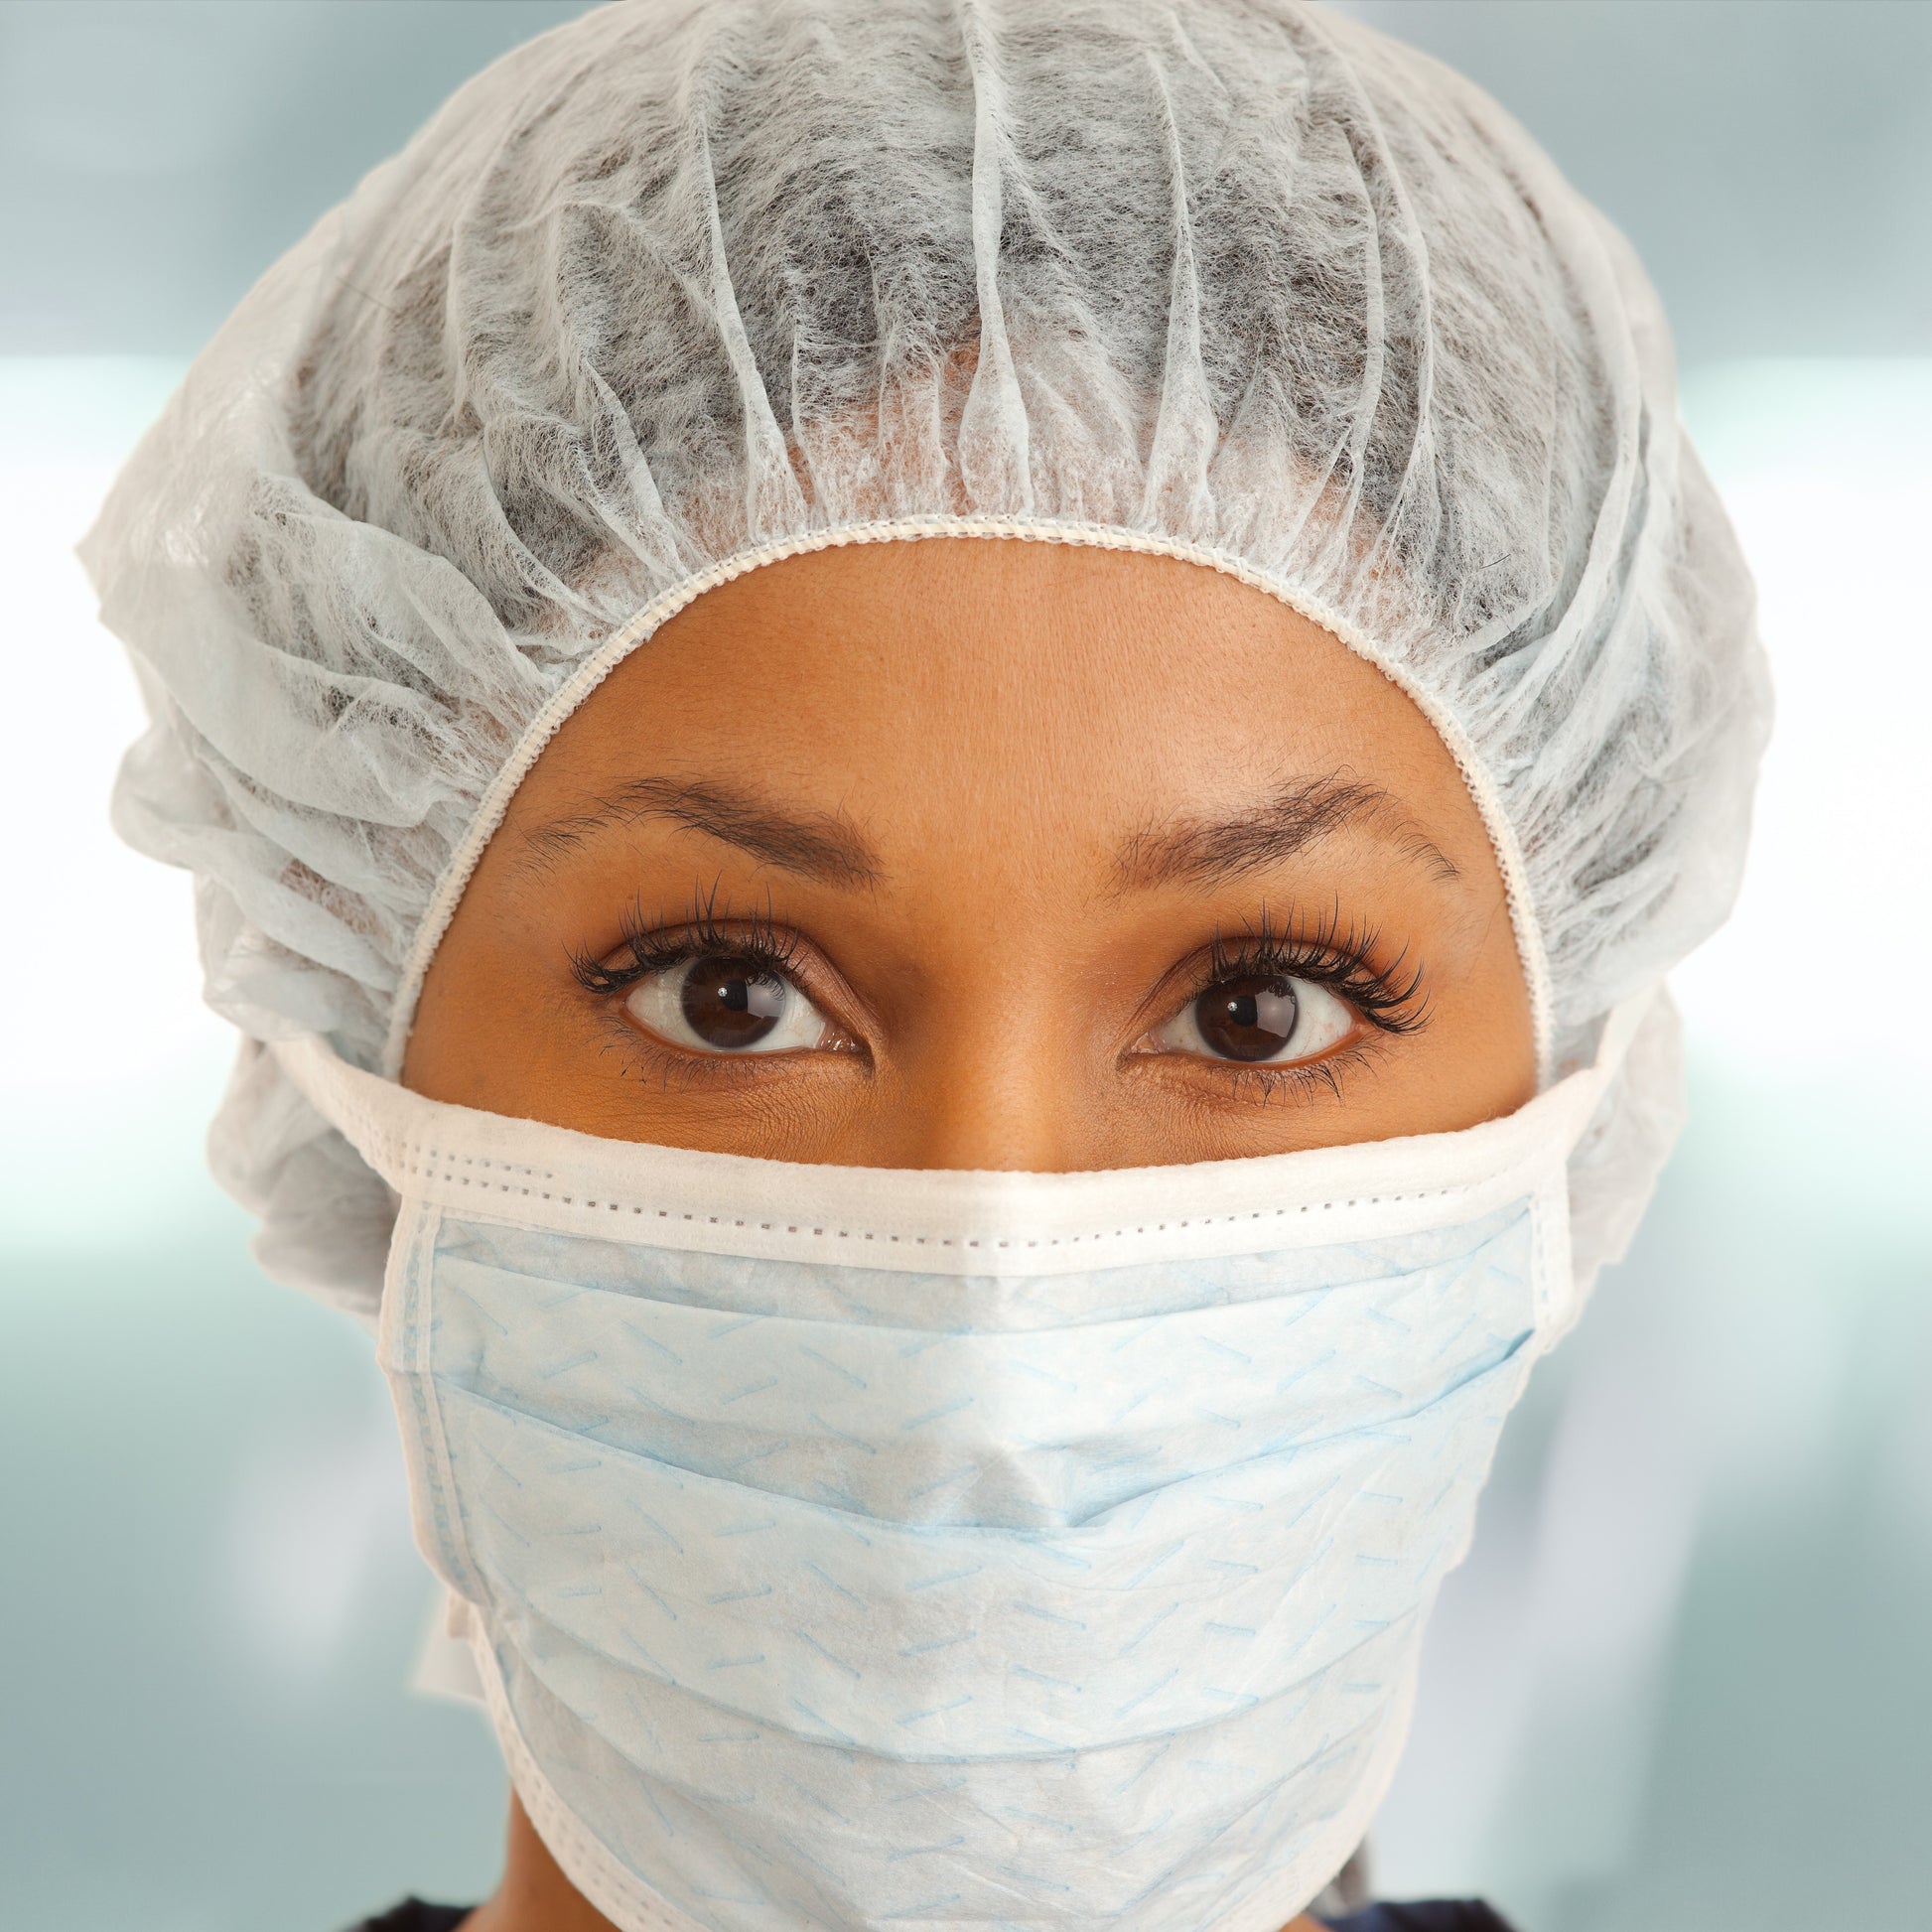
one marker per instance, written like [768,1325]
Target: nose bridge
[998,1070]
[989,1103]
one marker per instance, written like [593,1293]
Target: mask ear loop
[1559,1296]
[495,801]
[1558,1305]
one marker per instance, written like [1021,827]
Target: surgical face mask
[849,1548]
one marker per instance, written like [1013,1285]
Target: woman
[942,756]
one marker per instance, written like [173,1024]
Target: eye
[727,1002]
[1259,1016]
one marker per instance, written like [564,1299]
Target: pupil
[1248,1019]
[732,1002]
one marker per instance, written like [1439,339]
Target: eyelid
[1186,1018]
[656,1003]
[650,945]
[1389,999]
[659,945]
[1305,1078]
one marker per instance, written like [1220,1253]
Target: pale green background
[1684,1683]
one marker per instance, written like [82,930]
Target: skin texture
[1004,810]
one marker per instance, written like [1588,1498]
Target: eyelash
[1390,998]
[654,946]
[1342,958]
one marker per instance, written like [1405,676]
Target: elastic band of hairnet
[596,668]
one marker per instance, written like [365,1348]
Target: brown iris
[1252,1018]
[730,1002]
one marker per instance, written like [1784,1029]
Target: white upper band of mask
[601,662]
[488,1168]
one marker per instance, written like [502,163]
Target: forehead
[949,691]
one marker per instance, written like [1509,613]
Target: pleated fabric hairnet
[687,285]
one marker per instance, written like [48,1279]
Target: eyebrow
[826,846]
[1300,813]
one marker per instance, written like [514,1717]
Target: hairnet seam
[637,630]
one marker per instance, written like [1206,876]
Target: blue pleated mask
[848,1547]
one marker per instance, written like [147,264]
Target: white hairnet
[687,285]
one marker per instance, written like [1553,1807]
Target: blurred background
[1684,1683]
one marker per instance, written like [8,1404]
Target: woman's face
[963,853]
